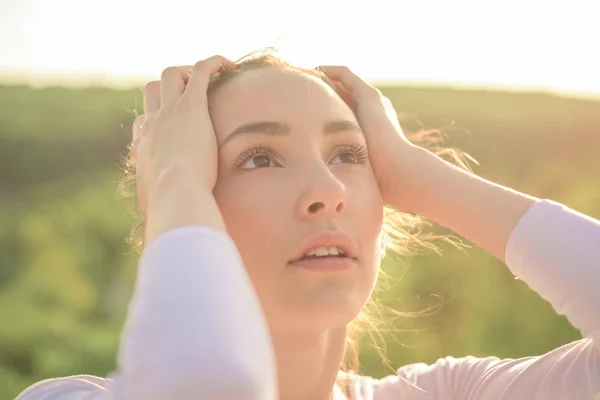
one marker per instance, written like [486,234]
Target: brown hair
[402,233]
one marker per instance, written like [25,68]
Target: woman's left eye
[352,154]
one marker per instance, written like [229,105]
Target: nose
[324,196]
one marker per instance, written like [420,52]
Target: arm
[413,179]
[471,206]
[554,249]
[195,328]
[176,200]
[178,342]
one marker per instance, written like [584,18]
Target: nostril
[314,207]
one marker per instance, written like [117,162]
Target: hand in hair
[175,134]
[388,146]
[174,146]
[413,179]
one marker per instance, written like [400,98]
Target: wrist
[410,180]
[178,179]
[179,198]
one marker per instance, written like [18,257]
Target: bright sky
[510,43]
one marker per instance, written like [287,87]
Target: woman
[263,232]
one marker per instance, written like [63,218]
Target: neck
[308,362]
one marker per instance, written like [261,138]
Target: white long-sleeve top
[195,329]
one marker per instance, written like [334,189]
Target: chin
[301,301]
[321,308]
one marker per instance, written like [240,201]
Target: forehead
[269,94]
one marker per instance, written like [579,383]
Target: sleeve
[556,251]
[194,330]
[79,387]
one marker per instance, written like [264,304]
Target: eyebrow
[275,128]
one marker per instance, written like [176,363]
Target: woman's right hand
[175,136]
[175,149]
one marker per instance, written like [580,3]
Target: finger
[343,74]
[137,132]
[138,127]
[152,97]
[344,93]
[202,72]
[172,84]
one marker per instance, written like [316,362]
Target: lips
[327,239]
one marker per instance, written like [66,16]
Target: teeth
[321,251]
[325,251]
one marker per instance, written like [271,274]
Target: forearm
[195,328]
[482,211]
[178,199]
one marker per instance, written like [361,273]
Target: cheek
[365,214]
[365,205]
[254,215]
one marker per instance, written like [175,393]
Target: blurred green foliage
[66,272]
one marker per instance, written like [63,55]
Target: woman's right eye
[256,162]
[258,157]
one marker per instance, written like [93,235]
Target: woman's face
[292,166]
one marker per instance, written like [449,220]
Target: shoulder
[567,370]
[76,387]
[441,380]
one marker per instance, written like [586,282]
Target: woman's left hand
[391,153]
[412,179]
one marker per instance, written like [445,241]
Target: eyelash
[256,150]
[357,148]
